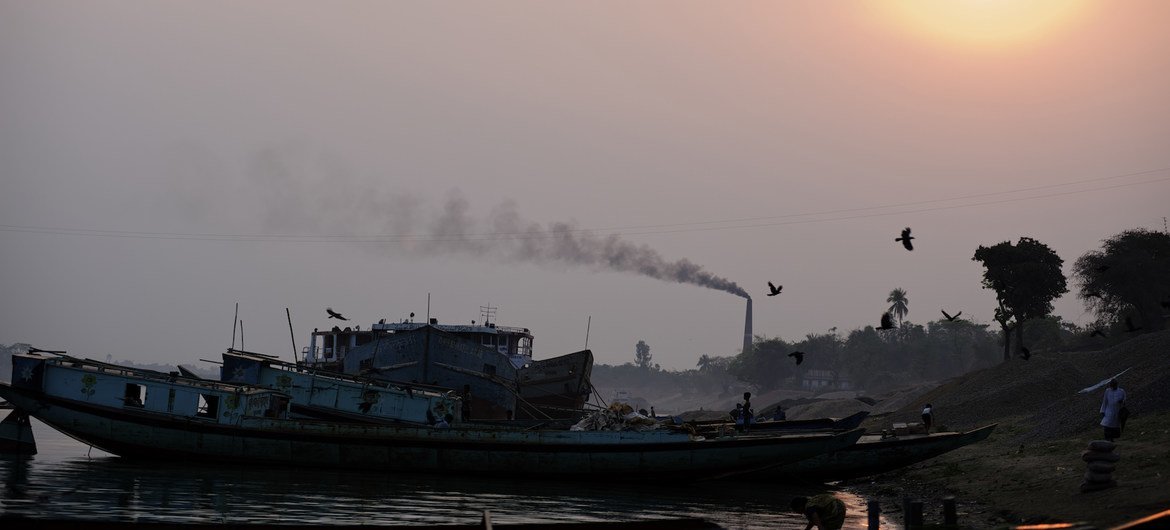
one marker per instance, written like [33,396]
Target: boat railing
[145,374]
[278,364]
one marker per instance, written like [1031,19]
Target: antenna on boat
[291,336]
[242,335]
[588,323]
[488,313]
[428,308]
[235,317]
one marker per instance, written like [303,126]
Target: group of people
[743,414]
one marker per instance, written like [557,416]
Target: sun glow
[983,23]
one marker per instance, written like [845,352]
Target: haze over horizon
[160,162]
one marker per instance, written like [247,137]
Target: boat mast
[291,336]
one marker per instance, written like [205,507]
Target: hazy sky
[161,161]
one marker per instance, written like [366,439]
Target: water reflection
[62,482]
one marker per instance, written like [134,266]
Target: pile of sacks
[618,417]
[1101,461]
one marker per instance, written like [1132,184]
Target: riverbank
[1030,469]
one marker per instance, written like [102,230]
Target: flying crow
[799,355]
[1098,333]
[1025,353]
[1093,294]
[887,321]
[949,317]
[774,288]
[1129,327]
[334,314]
[905,239]
[1102,268]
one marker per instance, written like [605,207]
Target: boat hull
[873,455]
[604,455]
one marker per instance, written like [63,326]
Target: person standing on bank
[1111,405]
[928,417]
[823,511]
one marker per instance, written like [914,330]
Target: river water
[68,479]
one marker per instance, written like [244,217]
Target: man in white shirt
[1111,405]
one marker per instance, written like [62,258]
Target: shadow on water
[63,482]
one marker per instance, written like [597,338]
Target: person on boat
[444,422]
[779,415]
[748,414]
[737,416]
[823,511]
[1111,406]
[928,417]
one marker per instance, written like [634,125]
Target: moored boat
[816,424]
[873,454]
[16,436]
[152,415]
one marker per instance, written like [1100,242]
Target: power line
[696,226]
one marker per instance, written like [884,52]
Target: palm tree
[898,303]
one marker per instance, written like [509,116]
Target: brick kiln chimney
[747,328]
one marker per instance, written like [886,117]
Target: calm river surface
[69,480]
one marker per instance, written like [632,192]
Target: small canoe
[871,455]
[847,423]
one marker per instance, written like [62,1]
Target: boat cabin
[327,349]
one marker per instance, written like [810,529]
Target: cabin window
[135,395]
[364,339]
[171,400]
[276,408]
[488,340]
[208,406]
[489,369]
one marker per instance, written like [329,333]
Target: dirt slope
[1030,469]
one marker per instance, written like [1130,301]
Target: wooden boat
[338,397]
[873,454]
[16,436]
[847,423]
[142,414]
[677,523]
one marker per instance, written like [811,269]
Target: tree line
[1125,283]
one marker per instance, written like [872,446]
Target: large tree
[1130,275]
[1026,278]
[642,355]
[899,304]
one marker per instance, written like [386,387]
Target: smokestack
[747,328]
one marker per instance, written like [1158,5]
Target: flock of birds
[887,320]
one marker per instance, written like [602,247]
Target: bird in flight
[949,317]
[1098,333]
[887,321]
[905,239]
[1093,294]
[1025,353]
[798,355]
[334,314]
[1129,327]
[1102,268]
[774,288]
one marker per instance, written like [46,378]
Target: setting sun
[983,23]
